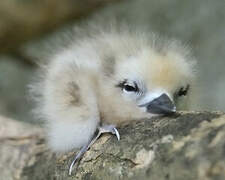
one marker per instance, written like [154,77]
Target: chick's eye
[129,88]
[183,91]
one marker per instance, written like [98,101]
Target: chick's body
[106,78]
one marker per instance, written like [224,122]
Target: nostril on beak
[161,105]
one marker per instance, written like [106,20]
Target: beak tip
[161,105]
[174,109]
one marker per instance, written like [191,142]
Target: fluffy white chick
[107,78]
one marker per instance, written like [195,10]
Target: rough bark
[24,20]
[189,145]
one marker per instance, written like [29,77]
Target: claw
[79,155]
[71,166]
[104,129]
[82,151]
[110,129]
[116,133]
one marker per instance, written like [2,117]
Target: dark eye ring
[129,88]
[183,91]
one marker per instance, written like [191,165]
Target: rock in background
[198,23]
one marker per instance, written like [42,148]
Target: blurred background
[26,26]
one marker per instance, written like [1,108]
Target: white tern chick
[104,79]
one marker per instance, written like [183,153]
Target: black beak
[161,105]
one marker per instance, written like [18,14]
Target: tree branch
[189,145]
